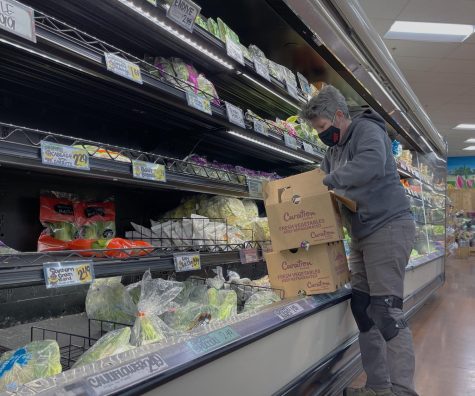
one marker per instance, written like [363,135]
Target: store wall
[461,172]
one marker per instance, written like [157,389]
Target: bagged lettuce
[156,297]
[108,299]
[190,316]
[112,343]
[39,359]
[200,21]
[213,27]
[251,208]
[226,31]
[260,299]
[225,301]
[260,227]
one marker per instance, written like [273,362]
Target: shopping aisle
[444,335]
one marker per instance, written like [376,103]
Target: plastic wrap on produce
[260,299]
[226,31]
[39,359]
[251,208]
[156,298]
[225,302]
[218,281]
[258,54]
[260,227]
[213,27]
[276,71]
[110,344]
[108,299]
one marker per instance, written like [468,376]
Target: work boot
[367,392]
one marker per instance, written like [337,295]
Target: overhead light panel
[465,126]
[470,148]
[428,31]
[471,140]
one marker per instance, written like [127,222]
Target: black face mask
[330,136]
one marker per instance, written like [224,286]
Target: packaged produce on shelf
[260,228]
[213,27]
[99,152]
[252,210]
[201,21]
[257,54]
[110,344]
[226,32]
[276,71]
[4,249]
[218,281]
[246,53]
[38,359]
[224,301]
[260,300]
[108,299]
[95,220]
[156,297]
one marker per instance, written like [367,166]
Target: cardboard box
[301,211]
[320,269]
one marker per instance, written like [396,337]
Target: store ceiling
[441,74]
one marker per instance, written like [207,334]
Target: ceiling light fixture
[258,142]
[380,85]
[177,34]
[428,31]
[471,140]
[465,126]
[469,148]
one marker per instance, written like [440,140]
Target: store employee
[359,165]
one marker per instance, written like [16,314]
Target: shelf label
[235,115]
[213,340]
[255,187]
[148,171]
[304,84]
[123,67]
[292,89]
[288,311]
[262,69]
[198,103]
[290,141]
[56,154]
[18,19]
[187,261]
[68,273]
[261,127]
[234,51]
[184,13]
[308,148]
[248,256]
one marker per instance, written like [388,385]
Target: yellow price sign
[122,67]
[84,273]
[187,262]
[149,171]
[56,154]
[68,273]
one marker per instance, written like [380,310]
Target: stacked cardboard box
[306,232]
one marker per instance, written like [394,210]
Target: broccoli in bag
[39,359]
[112,343]
[156,297]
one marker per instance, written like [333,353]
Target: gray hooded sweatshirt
[362,167]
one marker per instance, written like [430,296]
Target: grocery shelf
[74,51]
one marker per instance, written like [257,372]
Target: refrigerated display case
[113,99]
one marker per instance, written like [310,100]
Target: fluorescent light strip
[427,31]
[380,85]
[177,34]
[471,140]
[465,126]
[258,142]
[269,90]
[469,148]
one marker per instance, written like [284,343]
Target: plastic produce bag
[213,27]
[257,54]
[96,219]
[218,281]
[156,297]
[39,359]
[225,301]
[190,316]
[260,227]
[226,31]
[231,209]
[260,299]
[112,343]
[276,71]
[200,21]
[251,208]
[108,299]
[207,89]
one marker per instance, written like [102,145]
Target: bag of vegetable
[95,220]
[39,359]
[156,297]
[110,344]
[260,299]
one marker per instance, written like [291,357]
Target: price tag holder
[184,13]
[234,51]
[255,187]
[261,127]
[18,19]
[248,256]
[187,261]
[199,103]
[288,311]
[148,171]
[304,84]
[123,67]
[292,89]
[55,154]
[308,148]
[235,115]
[262,69]
[212,341]
[291,141]
[68,273]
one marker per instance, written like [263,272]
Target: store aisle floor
[444,335]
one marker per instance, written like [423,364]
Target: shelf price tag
[235,115]
[18,19]
[184,13]
[292,89]
[304,84]
[148,171]
[290,141]
[212,341]
[234,51]
[261,127]
[255,187]
[56,154]
[308,148]
[199,103]
[262,69]
[249,255]
[68,273]
[187,261]
[123,67]
[288,311]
